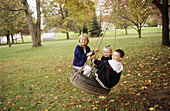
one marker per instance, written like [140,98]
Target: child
[81,52]
[107,53]
[108,73]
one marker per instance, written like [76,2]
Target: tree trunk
[80,31]
[38,25]
[8,39]
[31,25]
[67,35]
[165,25]
[139,32]
[22,39]
[67,25]
[126,30]
[165,21]
[12,37]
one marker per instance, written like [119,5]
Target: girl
[82,51]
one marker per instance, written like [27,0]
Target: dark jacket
[106,58]
[106,74]
[79,56]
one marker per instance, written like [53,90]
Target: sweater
[80,57]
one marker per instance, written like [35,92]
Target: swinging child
[108,73]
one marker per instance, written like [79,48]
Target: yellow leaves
[151,109]
[21,108]
[125,82]
[112,100]
[141,66]
[73,103]
[102,97]
[143,87]
[149,81]
[74,89]
[94,107]
[128,75]
[138,94]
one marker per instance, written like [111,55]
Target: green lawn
[38,78]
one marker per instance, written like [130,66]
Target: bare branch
[17,10]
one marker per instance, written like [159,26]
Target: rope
[106,29]
[115,28]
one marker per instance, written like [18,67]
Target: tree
[35,31]
[66,13]
[163,7]
[8,20]
[16,7]
[96,27]
[134,11]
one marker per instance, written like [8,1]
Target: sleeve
[98,63]
[89,50]
[79,53]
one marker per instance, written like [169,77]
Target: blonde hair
[108,47]
[84,35]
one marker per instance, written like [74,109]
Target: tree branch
[158,4]
[16,10]
[126,18]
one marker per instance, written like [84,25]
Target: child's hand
[97,50]
[89,58]
[89,54]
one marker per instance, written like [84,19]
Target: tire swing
[90,84]
[87,84]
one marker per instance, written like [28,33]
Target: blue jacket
[79,56]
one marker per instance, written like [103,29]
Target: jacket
[79,56]
[108,73]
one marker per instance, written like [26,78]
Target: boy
[108,73]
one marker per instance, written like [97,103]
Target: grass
[38,78]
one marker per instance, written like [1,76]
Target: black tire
[87,84]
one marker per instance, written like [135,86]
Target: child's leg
[87,70]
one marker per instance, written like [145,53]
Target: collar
[117,66]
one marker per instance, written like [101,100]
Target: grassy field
[38,78]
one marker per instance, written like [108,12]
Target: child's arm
[92,52]
[97,62]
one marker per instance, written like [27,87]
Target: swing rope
[105,28]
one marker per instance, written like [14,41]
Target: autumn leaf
[151,109]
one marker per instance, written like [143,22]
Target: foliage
[66,14]
[9,20]
[95,27]
[38,78]
[153,23]
[134,11]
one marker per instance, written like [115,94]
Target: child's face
[106,52]
[83,41]
[116,56]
